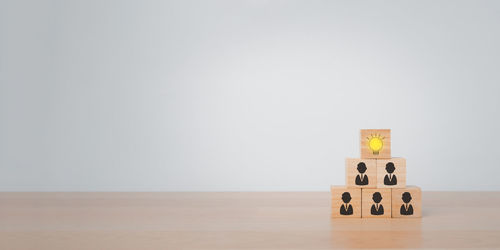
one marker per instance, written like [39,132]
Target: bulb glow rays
[375,143]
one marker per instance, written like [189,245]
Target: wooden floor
[237,221]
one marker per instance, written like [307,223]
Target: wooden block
[407,202]
[375,143]
[391,173]
[376,203]
[346,202]
[361,173]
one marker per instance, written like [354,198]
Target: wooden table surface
[233,220]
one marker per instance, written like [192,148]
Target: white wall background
[245,95]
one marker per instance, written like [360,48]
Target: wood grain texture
[416,202]
[384,153]
[233,220]
[351,173]
[337,202]
[367,202]
[399,171]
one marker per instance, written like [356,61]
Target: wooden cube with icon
[361,173]
[375,143]
[407,202]
[346,202]
[391,173]
[376,203]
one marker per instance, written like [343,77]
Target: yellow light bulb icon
[375,143]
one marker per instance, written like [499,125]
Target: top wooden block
[375,143]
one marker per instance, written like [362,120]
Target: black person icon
[361,178]
[390,179]
[377,209]
[406,209]
[346,208]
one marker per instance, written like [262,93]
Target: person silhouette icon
[361,178]
[390,179]
[406,209]
[377,209]
[346,208]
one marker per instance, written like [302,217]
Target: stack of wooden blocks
[376,183]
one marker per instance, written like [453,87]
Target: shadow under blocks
[376,183]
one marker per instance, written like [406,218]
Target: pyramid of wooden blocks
[376,183]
